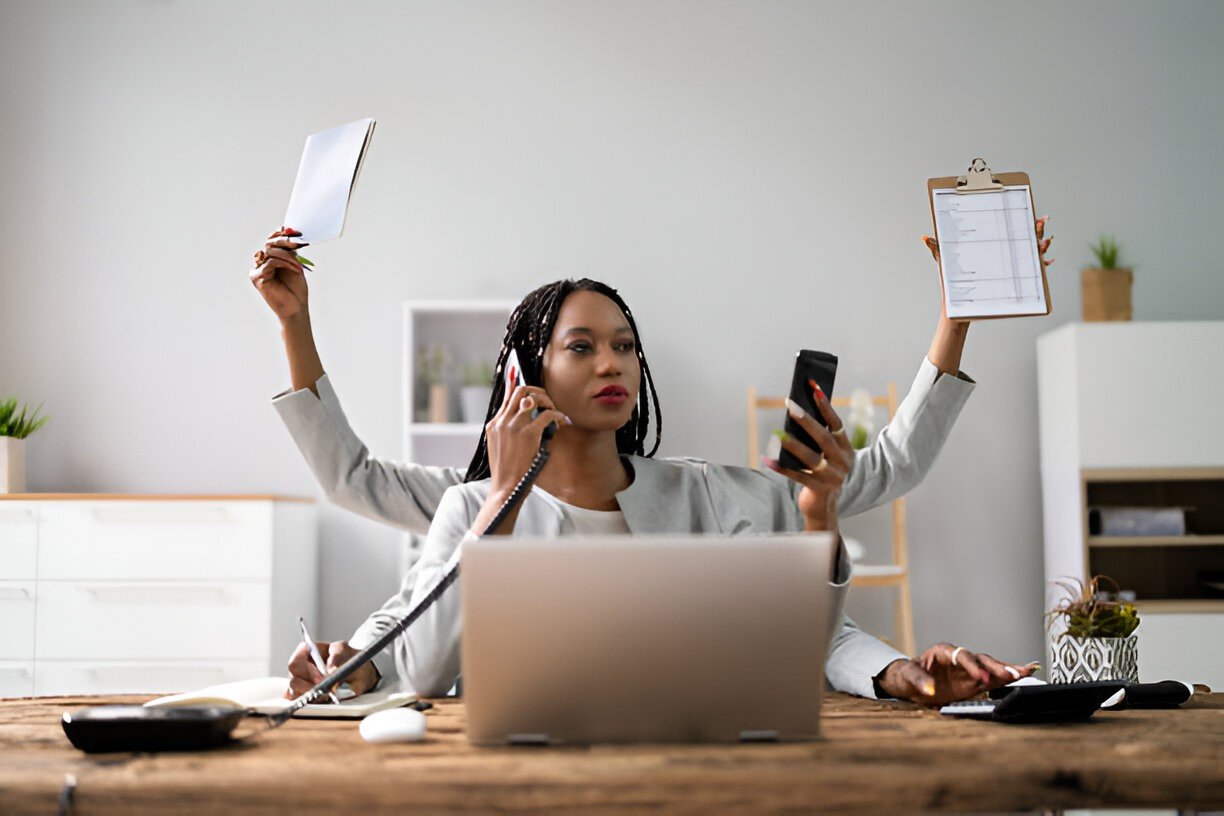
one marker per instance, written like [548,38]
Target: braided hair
[529,329]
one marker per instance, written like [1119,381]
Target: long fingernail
[928,688]
[783,435]
[794,410]
[769,463]
[816,388]
[568,421]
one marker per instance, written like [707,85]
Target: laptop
[614,639]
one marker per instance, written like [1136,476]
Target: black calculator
[1051,702]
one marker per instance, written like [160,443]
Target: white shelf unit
[147,594]
[1129,417]
[471,332]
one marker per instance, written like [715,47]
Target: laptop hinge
[527,739]
[759,736]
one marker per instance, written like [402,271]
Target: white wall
[751,175]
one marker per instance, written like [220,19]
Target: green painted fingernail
[783,435]
[305,261]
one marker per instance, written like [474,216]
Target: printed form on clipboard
[988,257]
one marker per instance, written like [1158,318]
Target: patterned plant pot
[1076,660]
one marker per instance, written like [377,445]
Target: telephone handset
[515,375]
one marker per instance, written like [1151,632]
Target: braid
[529,329]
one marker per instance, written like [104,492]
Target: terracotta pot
[1076,660]
[1106,294]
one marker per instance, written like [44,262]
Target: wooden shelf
[1181,606]
[1156,541]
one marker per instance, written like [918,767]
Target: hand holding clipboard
[989,245]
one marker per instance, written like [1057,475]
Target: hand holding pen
[279,273]
[305,672]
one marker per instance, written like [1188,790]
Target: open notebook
[266,695]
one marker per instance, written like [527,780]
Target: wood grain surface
[873,757]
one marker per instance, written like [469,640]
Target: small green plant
[478,373]
[19,425]
[1090,613]
[1106,252]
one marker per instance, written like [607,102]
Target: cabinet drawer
[1183,647]
[17,620]
[139,677]
[113,620]
[156,540]
[16,678]
[18,543]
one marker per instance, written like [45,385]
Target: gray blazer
[666,496]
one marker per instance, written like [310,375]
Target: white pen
[315,656]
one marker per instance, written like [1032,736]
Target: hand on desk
[945,673]
[303,674]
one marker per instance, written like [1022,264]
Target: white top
[583,522]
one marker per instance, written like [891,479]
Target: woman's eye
[627,347]
[579,347]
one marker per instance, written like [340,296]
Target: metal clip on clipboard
[979,179]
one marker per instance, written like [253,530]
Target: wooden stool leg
[905,619]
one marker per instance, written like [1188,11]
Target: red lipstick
[612,395]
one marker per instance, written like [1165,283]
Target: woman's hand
[1043,244]
[513,435]
[279,275]
[826,472]
[945,673]
[512,440]
[304,675]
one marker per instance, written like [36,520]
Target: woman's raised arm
[280,278]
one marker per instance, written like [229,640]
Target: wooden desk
[874,756]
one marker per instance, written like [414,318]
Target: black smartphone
[818,366]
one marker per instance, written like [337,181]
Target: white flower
[862,412]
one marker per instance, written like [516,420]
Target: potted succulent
[476,392]
[1106,288]
[1099,641]
[15,426]
[433,362]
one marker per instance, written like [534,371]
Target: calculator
[1052,702]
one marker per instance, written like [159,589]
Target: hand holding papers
[331,162]
[989,259]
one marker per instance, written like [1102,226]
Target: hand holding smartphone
[810,366]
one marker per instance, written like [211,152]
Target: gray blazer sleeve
[426,657]
[906,448]
[401,494]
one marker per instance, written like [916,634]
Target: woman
[592,476]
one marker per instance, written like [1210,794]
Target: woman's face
[591,367]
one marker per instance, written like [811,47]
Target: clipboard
[989,262]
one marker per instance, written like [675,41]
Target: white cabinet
[1129,417]
[145,594]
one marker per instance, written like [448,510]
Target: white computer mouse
[394,725]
